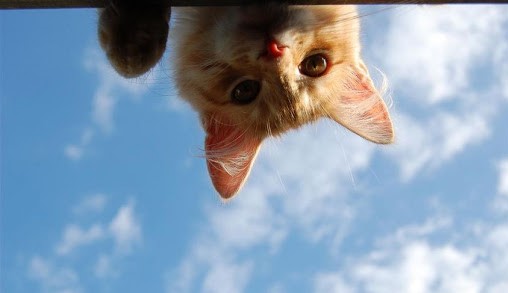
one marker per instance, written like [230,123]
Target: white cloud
[501,202]
[226,278]
[278,288]
[103,107]
[436,57]
[122,234]
[420,231]
[222,271]
[76,151]
[126,229]
[331,282]
[316,167]
[73,152]
[313,199]
[75,237]
[431,51]
[427,145]
[499,58]
[181,280]
[417,268]
[502,187]
[53,279]
[94,203]
[246,223]
[475,262]
[104,267]
[111,86]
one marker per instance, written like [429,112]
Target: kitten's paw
[133,35]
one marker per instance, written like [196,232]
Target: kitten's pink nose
[274,50]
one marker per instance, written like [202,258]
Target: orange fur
[217,47]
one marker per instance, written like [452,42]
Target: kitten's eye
[314,66]
[245,92]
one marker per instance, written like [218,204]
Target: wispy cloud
[501,202]
[74,237]
[435,57]
[94,203]
[429,144]
[227,277]
[76,151]
[103,109]
[73,152]
[111,87]
[431,52]
[331,282]
[314,200]
[53,279]
[110,90]
[476,262]
[104,267]
[126,229]
[502,187]
[223,273]
[122,234]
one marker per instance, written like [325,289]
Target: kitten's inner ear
[361,109]
[230,154]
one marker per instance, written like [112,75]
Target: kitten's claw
[134,35]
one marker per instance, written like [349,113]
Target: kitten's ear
[230,153]
[362,110]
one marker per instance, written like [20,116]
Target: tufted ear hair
[230,153]
[361,109]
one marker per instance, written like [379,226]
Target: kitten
[257,71]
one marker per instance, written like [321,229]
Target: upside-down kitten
[257,71]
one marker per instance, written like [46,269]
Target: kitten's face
[257,71]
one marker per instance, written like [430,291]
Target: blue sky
[103,188]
